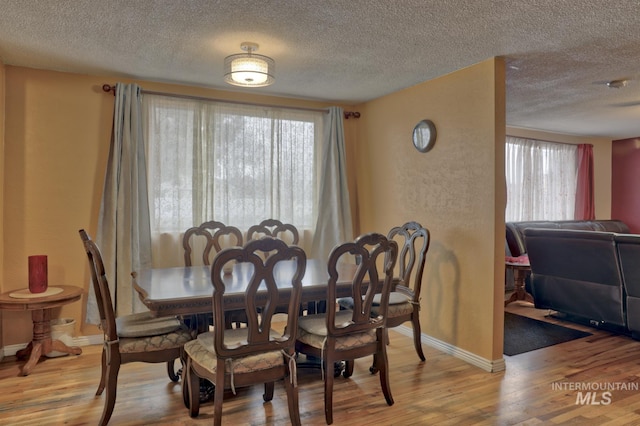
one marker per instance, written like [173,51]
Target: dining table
[186,290]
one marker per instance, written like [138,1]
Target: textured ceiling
[559,53]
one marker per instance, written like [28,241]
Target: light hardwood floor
[441,391]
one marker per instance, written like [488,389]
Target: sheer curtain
[541,180]
[237,164]
[175,163]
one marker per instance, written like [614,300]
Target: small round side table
[520,271]
[40,307]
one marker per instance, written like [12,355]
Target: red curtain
[585,209]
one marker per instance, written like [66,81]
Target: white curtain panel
[123,226]
[541,180]
[334,220]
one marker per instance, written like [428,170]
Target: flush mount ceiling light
[248,69]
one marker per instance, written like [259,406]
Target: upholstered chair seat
[203,352]
[312,330]
[156,342]
[145,324]
[399,305]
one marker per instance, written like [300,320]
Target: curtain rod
[347,114]
[549,141]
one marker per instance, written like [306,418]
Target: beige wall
[58,128]
[56,141]
[601,163]
[2,131]
[456,190]
[56,145]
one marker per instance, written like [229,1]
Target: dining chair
[404,301]
[216,236]
[254,354]
[274,228]
[131,338]
[350,334]
[213,236]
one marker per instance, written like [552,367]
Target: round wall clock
[424,135]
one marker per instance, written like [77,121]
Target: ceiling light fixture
[248,69]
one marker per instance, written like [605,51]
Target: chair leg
[217,398]
[374,369]
[103,373]
[382,363]
[228,320]
[184,378]
[328,394]
[374,365]
[417,335]
[111,385]
[384,383]
[268,391]
[193,389]
[292,400]
[185,389]
[171,371]
[348,368]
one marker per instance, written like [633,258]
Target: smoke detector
[617,84]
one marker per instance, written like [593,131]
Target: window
[236,164]
[541,180]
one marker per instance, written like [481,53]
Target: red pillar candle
[38,274]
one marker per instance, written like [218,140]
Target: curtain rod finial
[108,88]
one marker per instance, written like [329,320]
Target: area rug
[523,334]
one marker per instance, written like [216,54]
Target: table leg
[41,343]
[36,353]
[60,346]
[24,353]
[520,293]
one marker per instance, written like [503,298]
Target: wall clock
[424,135]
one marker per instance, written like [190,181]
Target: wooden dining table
[188,290]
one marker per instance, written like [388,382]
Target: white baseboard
[473,359]
[97,339]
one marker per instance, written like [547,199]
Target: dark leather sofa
[629,258]
[515,230]
[515,244]
[592,276]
